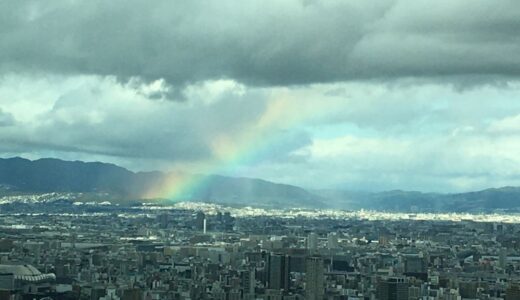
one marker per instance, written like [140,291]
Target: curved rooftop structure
[26,273]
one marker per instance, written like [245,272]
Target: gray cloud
[6,119]
[119,123]
[350,135]
[263,42]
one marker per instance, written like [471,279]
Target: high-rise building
[312,241]
[297,263]
[513,292]
[228,221]
[332,241]
[199,221]
[392,288]
[341,263]
[314,278]
[415,266]
[414,292]
[502,258]
[248,281]
[278,272]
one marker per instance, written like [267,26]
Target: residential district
[205,251]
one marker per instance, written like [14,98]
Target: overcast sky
[360,95]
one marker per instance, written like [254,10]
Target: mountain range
[23,176]
[19,175]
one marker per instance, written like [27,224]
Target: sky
[356,95]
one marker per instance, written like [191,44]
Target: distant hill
[236,191]
[19,175]
[489,200]
[54,175]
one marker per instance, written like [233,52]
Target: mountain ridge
[55,175]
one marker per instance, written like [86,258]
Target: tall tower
[278,272]
[314,278]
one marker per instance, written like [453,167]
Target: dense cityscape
[207,251]
[259,150]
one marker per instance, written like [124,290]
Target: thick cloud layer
[263,42]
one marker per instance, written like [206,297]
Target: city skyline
[260,150]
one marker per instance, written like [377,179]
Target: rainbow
[253,144]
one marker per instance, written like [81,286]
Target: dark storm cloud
[262,42]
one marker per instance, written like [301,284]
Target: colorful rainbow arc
[253,145]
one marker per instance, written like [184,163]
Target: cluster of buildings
[208,253]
